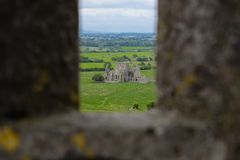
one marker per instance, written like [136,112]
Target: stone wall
[39,56]
[198,87]
[72,136]
[198,62]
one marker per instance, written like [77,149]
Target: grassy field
[104,49]
[115,97]
[136,48]
[107,57]
[101,65]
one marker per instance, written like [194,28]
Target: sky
[118,15]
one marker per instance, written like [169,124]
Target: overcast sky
[118,15]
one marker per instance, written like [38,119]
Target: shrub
[91,69]
[98,78]
[136,106]
[146,67]
[135,56]
[98,61]
[142,59]
[84,59]
[121,59]
[150,105]
[88,60]
[107,65]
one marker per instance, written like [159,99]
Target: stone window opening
[197,115]
[122,72]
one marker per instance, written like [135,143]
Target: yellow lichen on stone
[79,140]
[9,140]
[26,157]
[89,153]
[163,27]
[170,57]
[41,82]
[74,97]
[186,82]
[190,79]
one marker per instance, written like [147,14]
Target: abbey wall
[124,72]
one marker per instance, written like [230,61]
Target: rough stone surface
[124,72]
[198,75]
[39,57]
[147,136]
[199,65]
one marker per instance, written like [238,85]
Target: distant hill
[101,39]
[100,32]
[86,31]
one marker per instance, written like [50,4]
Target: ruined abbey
[124,72]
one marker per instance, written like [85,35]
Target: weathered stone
[39,57]
[117,136]
[198,75]
[198,62]
[124,72]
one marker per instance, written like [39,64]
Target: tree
[150,105]
[98,78]
[107,65]
[135,56]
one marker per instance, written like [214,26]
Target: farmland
[107,57]
[115,97]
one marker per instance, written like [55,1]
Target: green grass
[101,65]
[136,48]
[92,65]
[107,56]
[90,49]
[104,49]
[149,74]
[114,97]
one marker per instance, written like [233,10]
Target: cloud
[116,12]
[118,15]
[140,4]
[117,20]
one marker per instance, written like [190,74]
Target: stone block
[39,57]
[72,136]
[198,63]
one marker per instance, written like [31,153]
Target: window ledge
[153,135]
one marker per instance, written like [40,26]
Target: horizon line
[117,32]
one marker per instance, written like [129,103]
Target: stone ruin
[124,72]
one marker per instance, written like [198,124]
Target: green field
[105,49]
[99,48]
[107,57]
[115,97]
[136,48]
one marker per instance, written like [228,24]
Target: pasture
[115,97]
[107,57]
